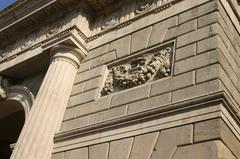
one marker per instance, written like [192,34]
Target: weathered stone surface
[173,83]
[95,106]
[208,150]
[143,146]
[170,139]
[99,151]
[93,83]
[85,66]
[196,91]
[149,103]
[77,153]
[57,156]
[216,129]
[208,19]
[97,52]
[207,130]
[160,30]
[181,29]
[70,113]
[207,44]
[140,39]
[186,52]
[120,149]
[196,62]
[75,123]
[194,36]
[207,73]
[83,97]
[225,152]
[77,88]
[92,73]
[198,11]
[108,57]
[122,46]
[130,95]
[108,114]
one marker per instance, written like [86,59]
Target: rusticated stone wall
[202,67]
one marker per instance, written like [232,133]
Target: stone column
[36,138]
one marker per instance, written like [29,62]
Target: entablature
[34,24]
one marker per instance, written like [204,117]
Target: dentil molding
[79,20]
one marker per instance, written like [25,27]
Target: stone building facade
[130,79]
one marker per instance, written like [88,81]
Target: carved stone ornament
[144,5]
[29,41]
[4,88]
[53,29]
[150,66]
[110,21]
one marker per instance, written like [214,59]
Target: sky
[5,3]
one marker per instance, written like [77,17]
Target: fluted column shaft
[36,138]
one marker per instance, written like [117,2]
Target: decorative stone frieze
[59,28]
[144,6]
[138,70]
[110,21]
[134,11]
[53,29]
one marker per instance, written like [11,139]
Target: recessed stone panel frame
[153,63]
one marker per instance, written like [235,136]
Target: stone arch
[23,95]
[13,113]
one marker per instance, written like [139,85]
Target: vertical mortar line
[194,77]
[131,148]
[130,43]
[149,36]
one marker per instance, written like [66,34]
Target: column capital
[69,53]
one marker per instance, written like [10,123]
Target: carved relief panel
[146,67]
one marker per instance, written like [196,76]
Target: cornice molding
[26,18]
[80,20]
[68,37]
[163,111]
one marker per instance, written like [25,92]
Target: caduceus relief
[4,88]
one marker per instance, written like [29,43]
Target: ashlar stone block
[99,151]
[140,39]
[143,146]
[58,155]
[121,46]
[206,150]
[120,149]
[150,103]
[195,62]
[198,11]
[77,153]
[160,30]
[185,52]
[170,139]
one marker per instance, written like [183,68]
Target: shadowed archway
[13,112]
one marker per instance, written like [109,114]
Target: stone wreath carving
[139,71]
[110,21]
[4,88]
[53,29]
[144,5]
